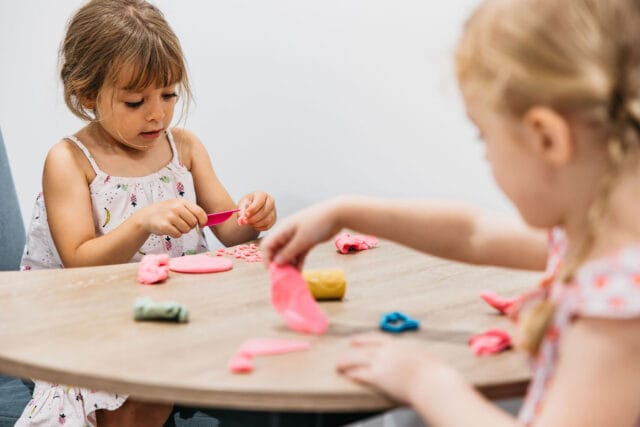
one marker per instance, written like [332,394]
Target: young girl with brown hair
[128,183]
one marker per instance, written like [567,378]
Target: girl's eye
[133,104]
[168,96]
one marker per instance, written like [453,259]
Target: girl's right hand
[290,242]
[173,217]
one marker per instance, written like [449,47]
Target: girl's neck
[619,227]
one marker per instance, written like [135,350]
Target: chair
[11,227]
[14,392]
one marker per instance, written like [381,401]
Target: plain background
[302,99]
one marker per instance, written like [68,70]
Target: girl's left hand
[257,209]
[402,369]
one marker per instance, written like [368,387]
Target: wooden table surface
[75,326]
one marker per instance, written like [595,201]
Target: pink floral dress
[113,199]
[605,288]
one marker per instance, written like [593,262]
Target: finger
[181,225]
[354,358]
[264,222]
[299,261]
[171,231]
[359,374]
[255,215]
[272,244]
[199,214]
[189,218]
[369,339]
[257,203]
[265,218]
[293,248]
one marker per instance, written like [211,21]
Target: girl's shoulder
[188,145]
[65,156]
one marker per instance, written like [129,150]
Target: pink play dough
[290,296]
[241,363]
[499,303]
[357,242]
[243,359]
[153,269]
[201,263]
[267,346]
[490,342]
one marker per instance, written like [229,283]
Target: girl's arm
[65,184]
[407,373]
[597,379]
[211,194]
[444,229]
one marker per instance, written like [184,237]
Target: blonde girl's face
[518,172]
[136,119]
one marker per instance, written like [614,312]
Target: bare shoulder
[609,337]
[189,146]
[598,366]
[66,159]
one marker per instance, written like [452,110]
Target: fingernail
[278,260]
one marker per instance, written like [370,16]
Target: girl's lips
[151,135]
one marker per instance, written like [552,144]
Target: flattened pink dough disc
[200,263]
[291,297]
[354,242]
[267,346]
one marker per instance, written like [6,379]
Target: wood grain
[75,326]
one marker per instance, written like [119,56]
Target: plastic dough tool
[219,217]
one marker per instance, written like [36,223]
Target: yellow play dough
[326,284]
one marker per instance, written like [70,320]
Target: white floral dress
[603,288]
[113,199]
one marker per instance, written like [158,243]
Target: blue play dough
[396,322]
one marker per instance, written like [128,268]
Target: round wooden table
[75,326]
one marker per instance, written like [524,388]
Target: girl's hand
[171,217]
[402,369]
[257,209]
[294,238]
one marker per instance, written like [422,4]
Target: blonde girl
[554,89]
[127,184]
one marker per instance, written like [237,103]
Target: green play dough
[145,308]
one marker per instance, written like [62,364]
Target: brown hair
[106,36]
[579,57]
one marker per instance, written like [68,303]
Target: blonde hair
[578,57]
[105,37]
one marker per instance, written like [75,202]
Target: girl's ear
[88,103]
[550,135]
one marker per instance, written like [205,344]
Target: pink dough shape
[290,296]
[241,363]
[490,342]
[266,346]
[501,304]
[201,263]
[358,242]
[153,269]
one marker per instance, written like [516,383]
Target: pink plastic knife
[220,217]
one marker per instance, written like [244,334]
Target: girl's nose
[155,111]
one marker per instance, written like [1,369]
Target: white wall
[304,99]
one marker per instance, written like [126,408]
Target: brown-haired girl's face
[136,119]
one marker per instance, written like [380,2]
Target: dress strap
[176,157]
[86,152]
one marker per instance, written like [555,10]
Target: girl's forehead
[131,77]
